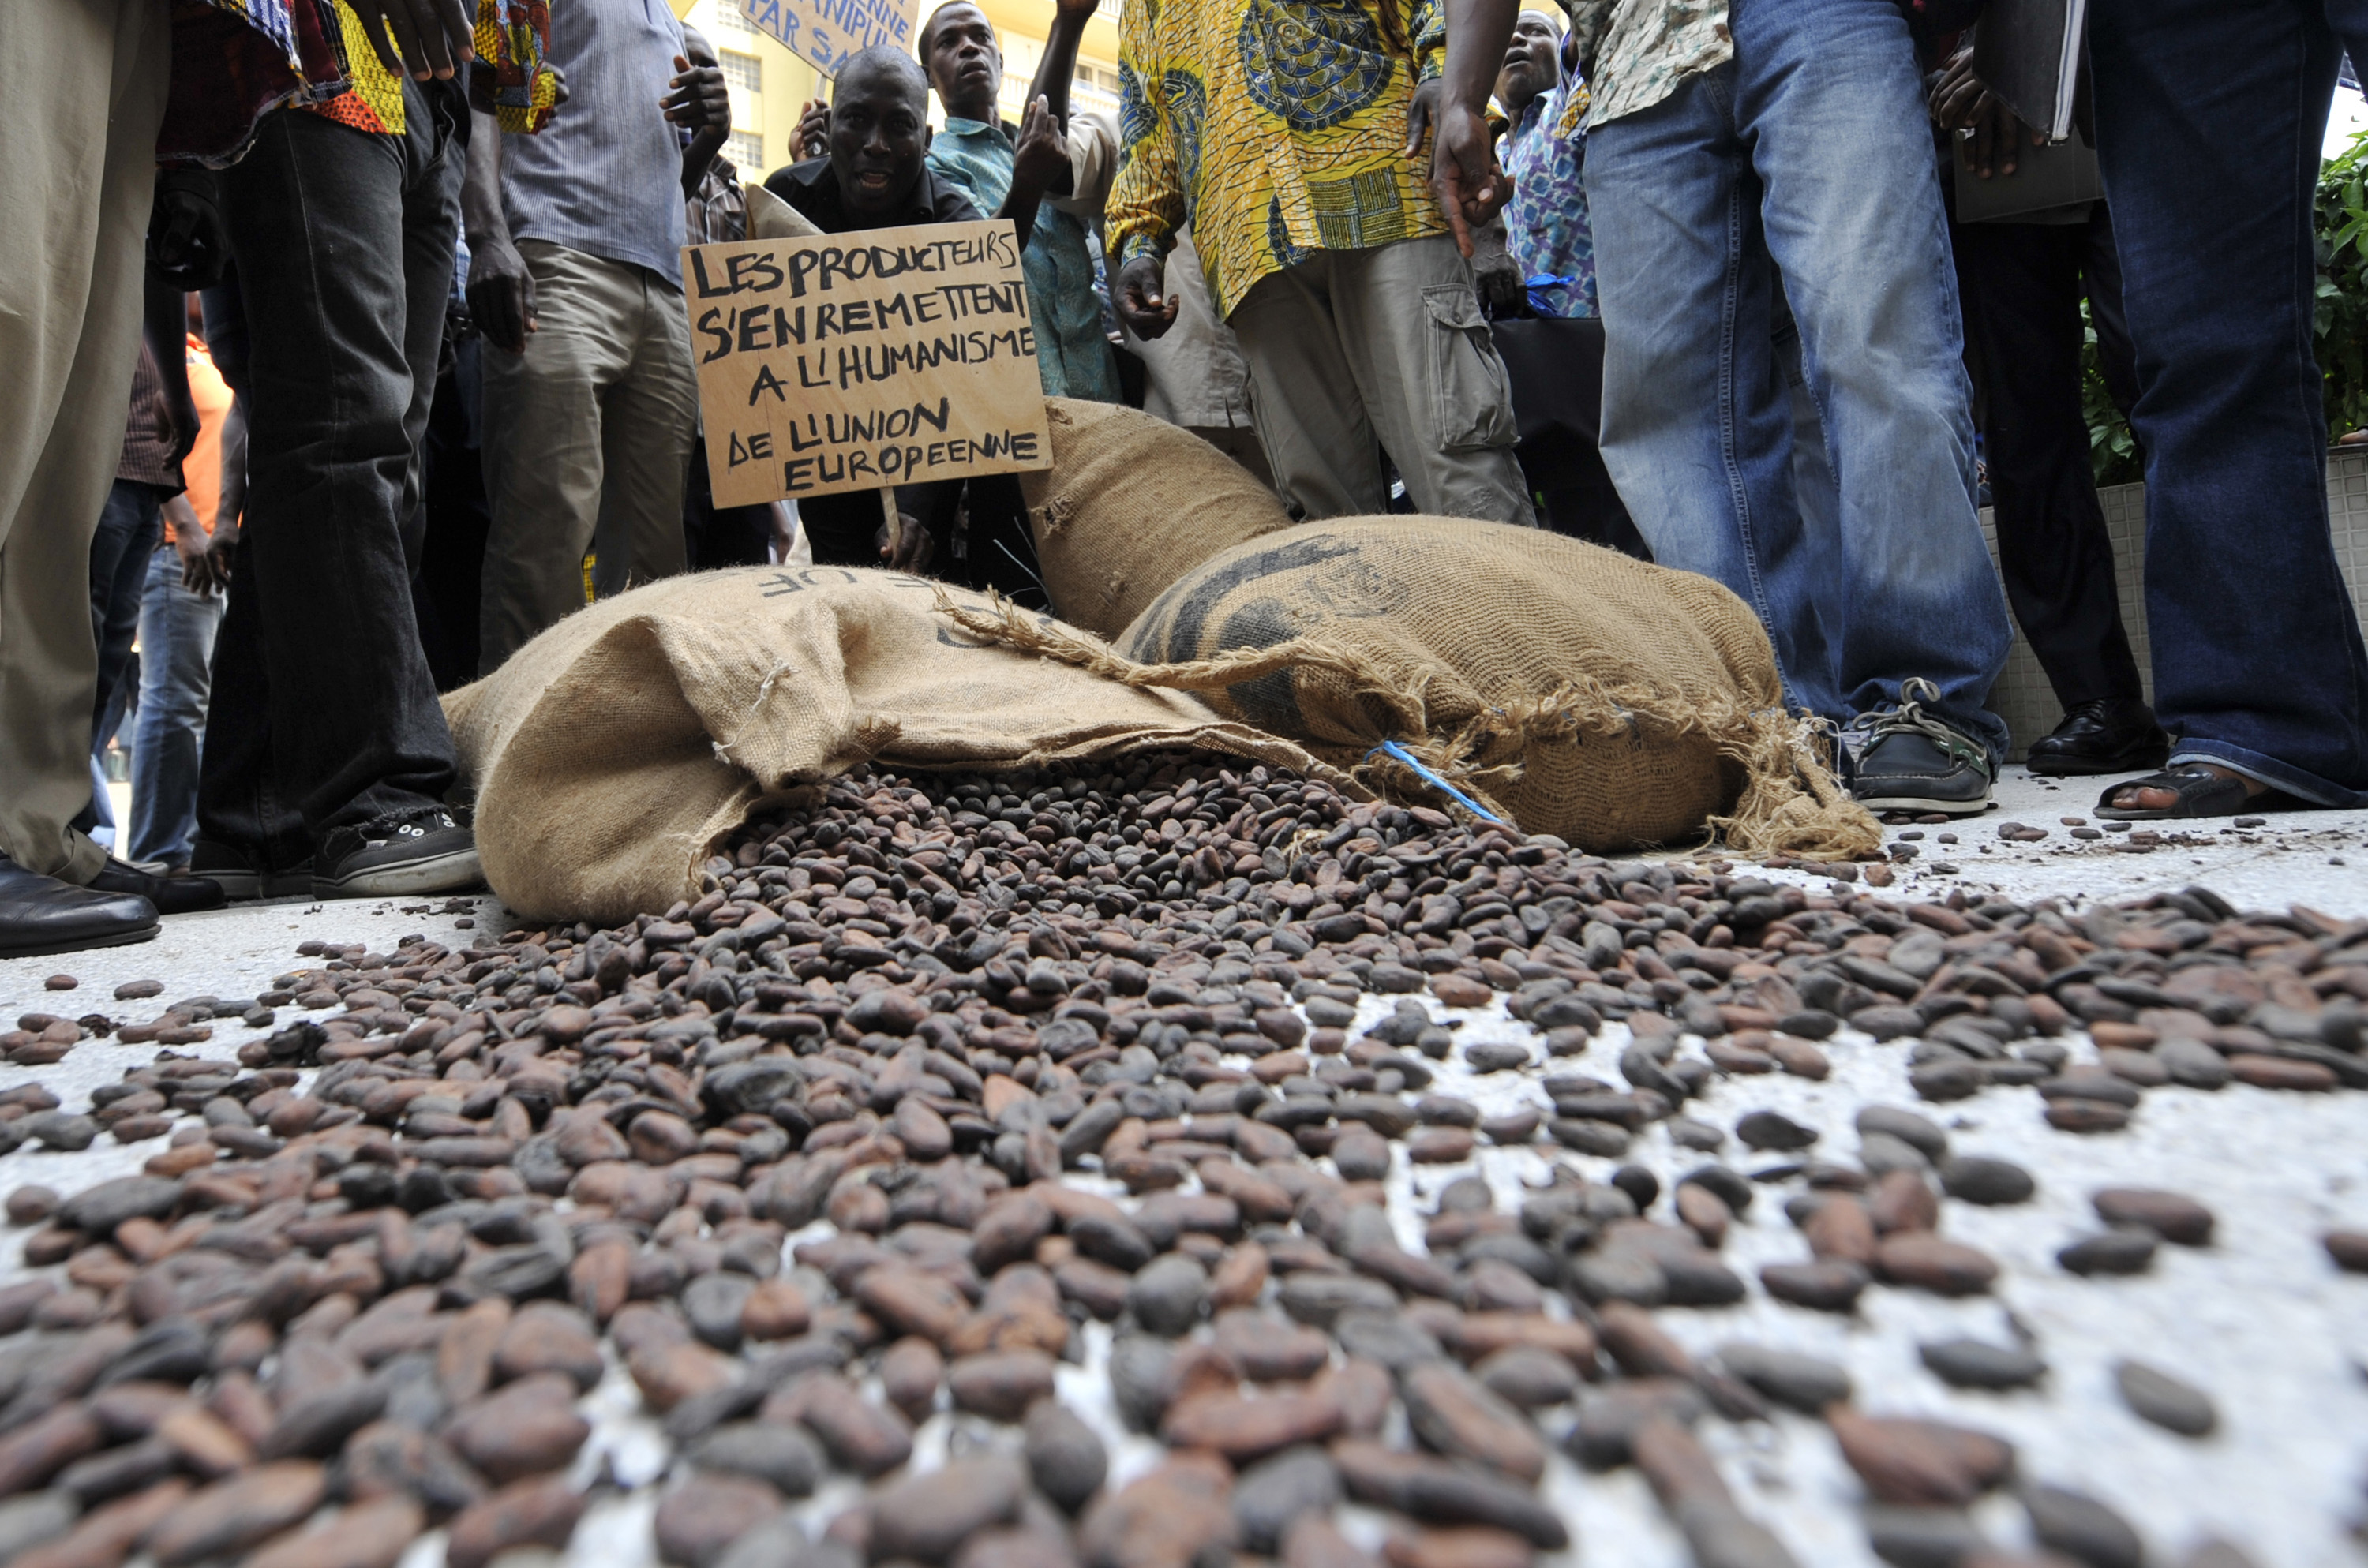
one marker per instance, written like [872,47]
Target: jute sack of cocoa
[611,754]
[1131,504]
[1566,688]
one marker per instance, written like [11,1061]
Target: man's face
[878,133]
[964,64]
[1532,59]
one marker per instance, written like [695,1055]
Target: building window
[747,151]
[728,18]
[742,71]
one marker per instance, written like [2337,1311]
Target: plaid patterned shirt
[148,430]
[1274,128]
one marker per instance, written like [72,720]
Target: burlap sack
[1129,504]
[1566,688]
[615,751]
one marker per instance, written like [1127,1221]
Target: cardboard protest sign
[851,361]
[826,32]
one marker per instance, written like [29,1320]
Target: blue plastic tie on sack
[1398,753]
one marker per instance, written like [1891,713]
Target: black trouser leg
[324,707]
[2021,286]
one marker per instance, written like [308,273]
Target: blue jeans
[176,650]
[1808,154]
[2209,119]
[128,527]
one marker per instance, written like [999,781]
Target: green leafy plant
[2339,328]
[2113,450]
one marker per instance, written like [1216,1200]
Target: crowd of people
[348,353]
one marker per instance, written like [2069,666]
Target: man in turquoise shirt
[980,154]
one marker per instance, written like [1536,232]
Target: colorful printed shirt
[235,61]
[1071,355]
[1274,128]
[1637,51]
[1546,223]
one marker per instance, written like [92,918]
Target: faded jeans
[1808,154]
[176,651]
[126,537]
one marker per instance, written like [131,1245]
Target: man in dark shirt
[875,178]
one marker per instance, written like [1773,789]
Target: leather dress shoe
[2108,734]
[171,895]
[42,914]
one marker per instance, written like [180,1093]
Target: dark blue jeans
[323,714]
[2210,115]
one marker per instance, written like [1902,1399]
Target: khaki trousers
[1355,350]
[84,84]
[588,434]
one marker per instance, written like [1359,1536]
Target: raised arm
[1041,167]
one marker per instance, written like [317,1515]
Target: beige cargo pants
[1352,352]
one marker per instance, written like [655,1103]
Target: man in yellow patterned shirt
[1277,129]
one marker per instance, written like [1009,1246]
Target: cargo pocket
[1471,401]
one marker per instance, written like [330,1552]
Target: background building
[769,84]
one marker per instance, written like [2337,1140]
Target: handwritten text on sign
[850,361]
[824,33]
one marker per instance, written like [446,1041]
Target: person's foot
[171,895]
[413,852]
[2107,736]
[1913,762]
[245,875]
[42,914]
[2155,799]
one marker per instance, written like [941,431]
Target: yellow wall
[1021,26]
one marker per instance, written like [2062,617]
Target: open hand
[1042,154]
[697,98]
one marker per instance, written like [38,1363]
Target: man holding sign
[875,178]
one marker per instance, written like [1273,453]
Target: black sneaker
[423,851]
[1913,762]
[245,875]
